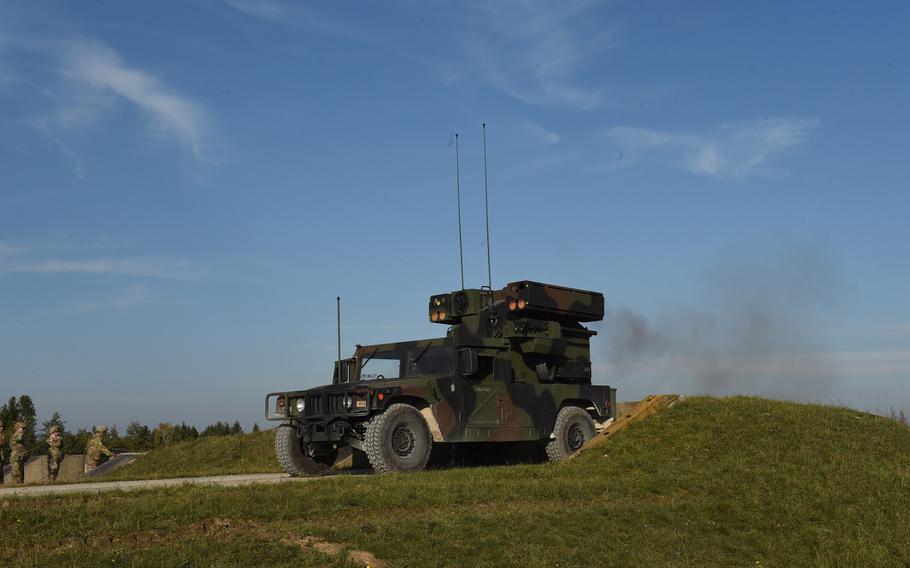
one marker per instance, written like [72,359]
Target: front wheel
[398,440]
[574,427]
[298,459]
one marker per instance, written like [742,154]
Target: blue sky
[186,186]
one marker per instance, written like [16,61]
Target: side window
[379,368]
[434,361]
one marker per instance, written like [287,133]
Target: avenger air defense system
[514,366]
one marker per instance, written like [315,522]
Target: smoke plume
[752,325]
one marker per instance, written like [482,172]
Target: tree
[255,427]
[217,429]
[164,434]
[9,412]
[28,414]
[75,443]
[139,437]
[113,438]
[22,409]
[236,428]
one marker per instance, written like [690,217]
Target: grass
[708,482]
[209,455]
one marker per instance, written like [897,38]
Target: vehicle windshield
[411,361]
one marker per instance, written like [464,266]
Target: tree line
[138,437]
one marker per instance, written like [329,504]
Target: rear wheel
[298,459]
[398,440]
[573,428]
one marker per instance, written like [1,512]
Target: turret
[540,324]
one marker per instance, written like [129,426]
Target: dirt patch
[360,557]
[216,528]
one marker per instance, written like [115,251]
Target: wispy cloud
[730,151]
[534,134]
[535,51]
[132,297]
[103,71]
[293,13]
[152,268]
[10,248]
[80,80]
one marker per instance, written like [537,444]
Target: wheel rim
[403,440]
[575,437]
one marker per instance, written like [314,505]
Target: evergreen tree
[9,412]
[22,409]
[75,443]
[236,428]
[139,437]
[255,427]
[29,415]
[217,429]
[113,438]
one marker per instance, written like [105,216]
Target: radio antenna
[458,197]
[338,310]
[486,202]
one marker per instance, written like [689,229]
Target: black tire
[574,427]
[297,460]
[398,440]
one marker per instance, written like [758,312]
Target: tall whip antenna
[338,309]
[486,202]
[458,194]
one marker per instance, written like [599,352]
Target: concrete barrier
[35,470]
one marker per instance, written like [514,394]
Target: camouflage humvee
[514,366]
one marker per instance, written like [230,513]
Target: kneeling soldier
[95,448]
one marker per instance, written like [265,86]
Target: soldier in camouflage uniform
[2,443]
[95,448]
[55,452]
[17,452]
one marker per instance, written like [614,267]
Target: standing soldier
[55,452]
[2,443]
[95,448]
[17,452]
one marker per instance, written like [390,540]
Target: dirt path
[219,480]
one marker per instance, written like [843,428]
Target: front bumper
[321,405]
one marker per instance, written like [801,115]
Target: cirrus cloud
[734,150]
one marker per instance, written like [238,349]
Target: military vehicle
[514,366]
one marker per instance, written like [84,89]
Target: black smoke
[750,324]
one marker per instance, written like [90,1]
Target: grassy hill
[708,482]
[209,455]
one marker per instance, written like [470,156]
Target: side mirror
[467,362]
[347,371]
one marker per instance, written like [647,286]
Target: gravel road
[219,480]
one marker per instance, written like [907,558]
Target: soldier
[55,452]
[95,448]
[17,452]
[2,443]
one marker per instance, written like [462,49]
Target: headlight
[348,402]
[301,405]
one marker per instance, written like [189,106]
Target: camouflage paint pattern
[55,453]
[2,450]
[95,448]
[17,452]
[517,356]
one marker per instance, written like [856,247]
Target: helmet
[53,429]
[20,424]
[101,429]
